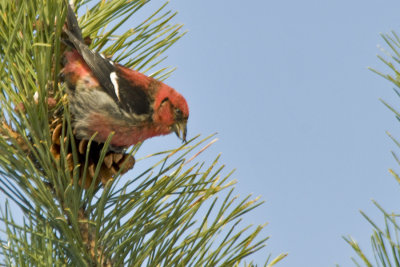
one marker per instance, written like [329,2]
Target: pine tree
[78,207]
[385,240]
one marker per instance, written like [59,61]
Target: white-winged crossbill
[107,97]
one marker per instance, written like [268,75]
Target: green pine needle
[177,212]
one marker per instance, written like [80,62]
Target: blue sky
[286,86]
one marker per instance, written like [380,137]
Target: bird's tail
[72,27]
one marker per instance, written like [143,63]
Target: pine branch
[78,208]
[385,239]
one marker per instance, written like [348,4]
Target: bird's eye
[164,100]
[178,113]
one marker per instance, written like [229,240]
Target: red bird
[107,97]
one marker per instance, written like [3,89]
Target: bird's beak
[180,130]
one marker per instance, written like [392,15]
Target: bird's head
[171,110]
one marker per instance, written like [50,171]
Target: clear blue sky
[286,86]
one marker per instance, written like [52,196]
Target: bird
[106,97]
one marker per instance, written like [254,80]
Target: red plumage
[106,97]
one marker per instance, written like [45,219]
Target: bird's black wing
[132,98]
[101,67]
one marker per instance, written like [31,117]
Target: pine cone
[112,164]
